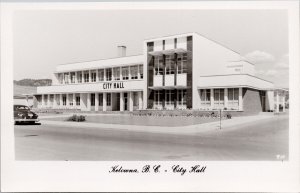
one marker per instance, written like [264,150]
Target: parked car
[22,113]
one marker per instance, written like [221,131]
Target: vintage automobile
[23,113]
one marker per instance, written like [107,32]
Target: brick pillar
[60,100]
[240,99]
[130,101]
[140,96]
[226,98]
[82,106]
[97,100]
[74,100]
[104,101]
[89,101]
[121,101]
[212,100]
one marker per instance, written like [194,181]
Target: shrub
[76,118]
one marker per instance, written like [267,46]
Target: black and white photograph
[108,83]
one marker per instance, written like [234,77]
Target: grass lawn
[142,120]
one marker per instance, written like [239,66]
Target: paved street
[259,140]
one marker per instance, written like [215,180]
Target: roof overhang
[167,87]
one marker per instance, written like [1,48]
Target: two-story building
[186,71]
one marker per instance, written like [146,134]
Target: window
[70,100]
[170,65]
[219,98]
[108,99]
[100,99]
[86,76]
[79,77]
[169,97]
[108,74]
[64,100]
[77,100]
[141,70]
[135,99]
[101,74]
[181,63]
[158,97]
[93,76]
[125,73]
[233,98]
[158,65]
[134,72]
[66,78]
[60,78]
[181,97]
[73,77]
[116,73]
[92,99]
[205,97]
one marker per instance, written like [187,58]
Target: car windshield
[22,108]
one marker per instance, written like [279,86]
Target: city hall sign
[113,85]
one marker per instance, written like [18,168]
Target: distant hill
[20,91]
[33,82]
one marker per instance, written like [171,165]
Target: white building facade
[186,71]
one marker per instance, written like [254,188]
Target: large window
[181,99]
[116,73]
[108,74]
[205,97]
[169,97]
[86,76]
[233,98]
[73,77]
[93,75]
[125,73]
[101,74]
[158,97]
[92,99]
[218,98]
[60,78]
[170,65]
[158,65]
[134,72]
[181,63]
[77,100]
[101,99]
[141,70]
[108,99]
[66,78]
[79,77]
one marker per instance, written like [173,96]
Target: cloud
[271,72]
[283,63]
[259,57]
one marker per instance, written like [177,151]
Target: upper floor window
[66,78]
[125,73]
[158,65]
[79,77]
[93,75]
[101,74]
[170,65]
[182,63]
[86,76]
[134,72]
[116,73]
[72,77]
[60,78]
[141,70]
[108,74]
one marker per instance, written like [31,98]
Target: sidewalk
[187,130]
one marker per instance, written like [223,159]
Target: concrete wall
[251,101]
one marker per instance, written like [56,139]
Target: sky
[44,39]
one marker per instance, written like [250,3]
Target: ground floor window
[233,98]
[71,100]
[158,97]
[170,97]
[64,98]
[92,99]
[78,100]
[205,97]
[100,99]
[181,97]
[108,99]
[218,98]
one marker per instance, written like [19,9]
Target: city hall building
[186,71]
